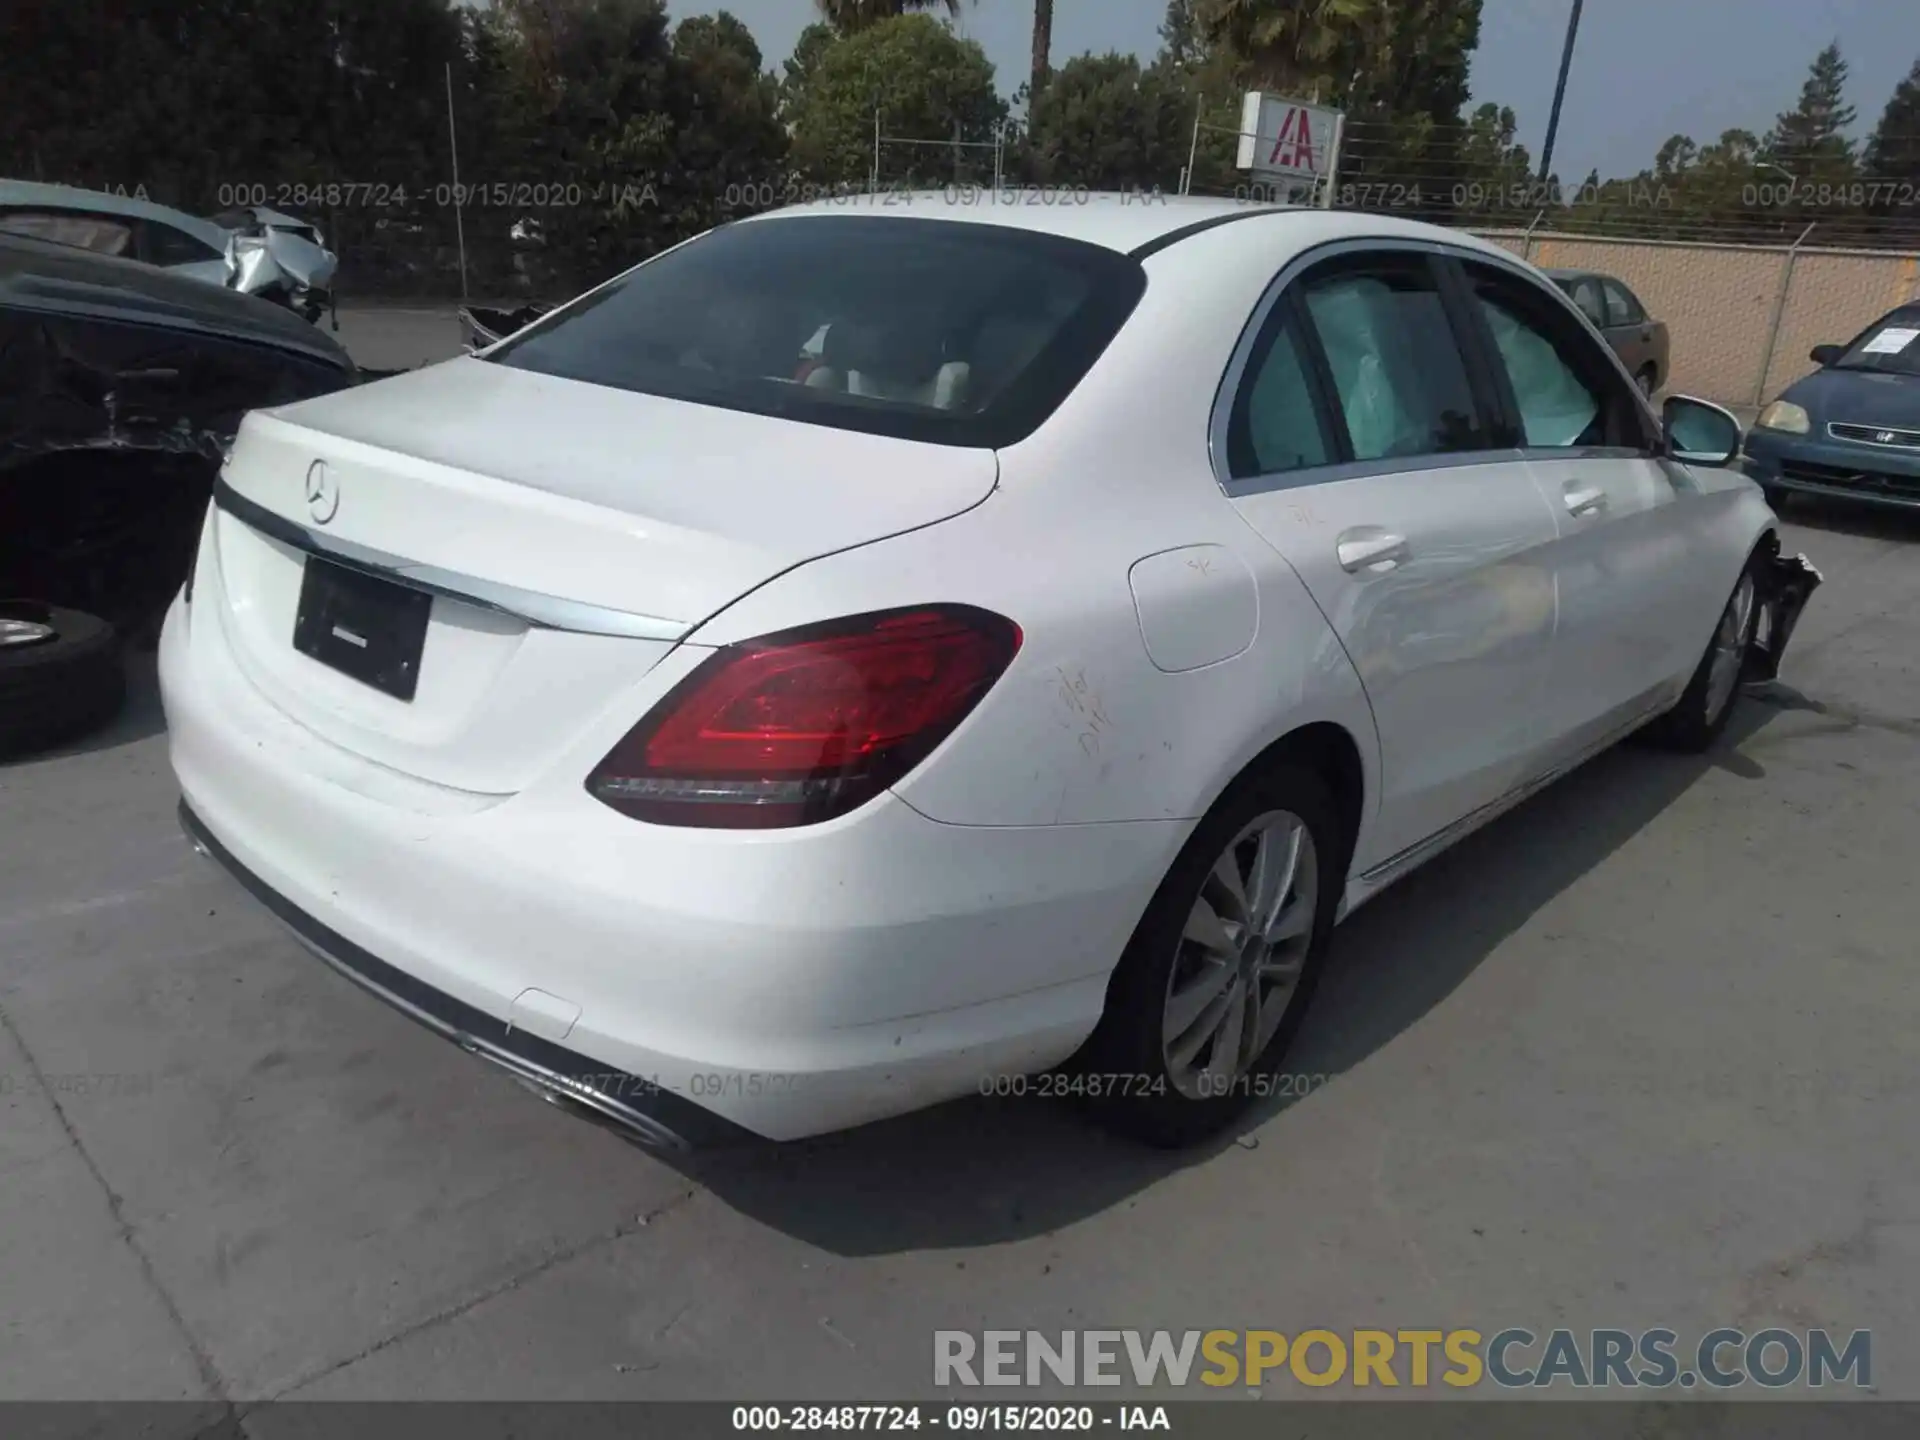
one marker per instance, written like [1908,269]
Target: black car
[1637,338]
[121,388]
[1851,428]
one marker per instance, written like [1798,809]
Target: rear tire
[1708,702]
[1203,951]
[57,687]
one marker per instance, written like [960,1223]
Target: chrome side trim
[1396,866]
[549,612]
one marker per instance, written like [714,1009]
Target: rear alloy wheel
[1707,703]
[1221,969]
[1241,955]
[60,675]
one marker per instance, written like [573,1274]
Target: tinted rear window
[950,332]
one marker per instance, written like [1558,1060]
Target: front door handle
[1585,499]
[1371,549]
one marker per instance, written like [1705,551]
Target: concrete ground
[1643,1053]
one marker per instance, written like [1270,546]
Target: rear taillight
[799,727]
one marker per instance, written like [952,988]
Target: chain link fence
[1748,265]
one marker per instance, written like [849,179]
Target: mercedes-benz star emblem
[323,492]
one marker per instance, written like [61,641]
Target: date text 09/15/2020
[956,1419]
[1082,1085]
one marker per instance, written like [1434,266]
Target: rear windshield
[946,331]
[1892,344]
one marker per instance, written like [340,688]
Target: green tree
[847,16]
[1294,47]
[728,137]
[1398,68]
[1893,153]
[1810,140]
[926,84]
[1181,43]
[1496,173]
[813,44]
[1106,123]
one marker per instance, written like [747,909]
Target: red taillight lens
[799,727]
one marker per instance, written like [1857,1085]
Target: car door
[1628,329]
[1355,438]
[1620,562]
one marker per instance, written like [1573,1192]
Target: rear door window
[1396,365]
[1586,294]
[1622,307]
[952,332]
[102,234]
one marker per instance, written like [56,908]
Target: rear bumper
[787,983]
[657,1116]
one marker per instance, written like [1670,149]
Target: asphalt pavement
[1643,1053]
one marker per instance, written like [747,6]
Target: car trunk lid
[569,534]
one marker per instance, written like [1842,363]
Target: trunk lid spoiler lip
[549,612]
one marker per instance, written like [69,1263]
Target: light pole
[1559,93]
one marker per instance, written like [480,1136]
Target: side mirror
[1825,355]
[1699,433]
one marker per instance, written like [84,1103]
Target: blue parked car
[1852,428]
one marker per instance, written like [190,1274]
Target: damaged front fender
[1784,585]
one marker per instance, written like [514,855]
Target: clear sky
[1643,69]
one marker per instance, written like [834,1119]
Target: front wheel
[1219,973]
[1707,703]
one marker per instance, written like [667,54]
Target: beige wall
[1718,302]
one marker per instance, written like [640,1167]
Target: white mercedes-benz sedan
[870,655]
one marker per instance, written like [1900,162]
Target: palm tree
[1284,46]
[847,16]
[1042,43]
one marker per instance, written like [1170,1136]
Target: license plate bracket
[368,628]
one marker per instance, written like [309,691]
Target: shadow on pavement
[982,1171]
[1843,517]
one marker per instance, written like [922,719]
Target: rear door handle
[1585,499]
[1371,549]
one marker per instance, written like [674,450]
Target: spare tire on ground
[61,675]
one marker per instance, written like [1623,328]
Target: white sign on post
[1285,138]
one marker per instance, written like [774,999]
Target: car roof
[68,197]
[66,280]
[1127,222]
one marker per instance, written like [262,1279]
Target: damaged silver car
[121,389]
[255,251]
